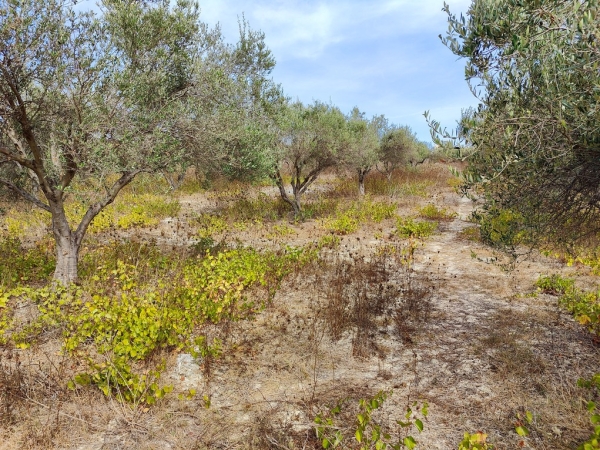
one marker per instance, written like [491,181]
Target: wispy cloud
[383,56]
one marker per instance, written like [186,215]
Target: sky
[383,56]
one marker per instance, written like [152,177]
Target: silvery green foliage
[125,91]
[363,149]
[534,66]
[312,138]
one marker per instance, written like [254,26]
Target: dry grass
[439,326]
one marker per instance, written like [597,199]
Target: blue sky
[383,56]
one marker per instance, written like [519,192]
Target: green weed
[126,312]
[329,241]
[210,225]
[408,228]
[584,306]
[432,212]
[20,265]
[348,218]
[367,432]
[128,211]
[281,231]
[555,284]
[19,222]
[475,441]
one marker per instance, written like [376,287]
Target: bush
[408,228]
[124,313]
[501,228]
[432,212]
[584,306]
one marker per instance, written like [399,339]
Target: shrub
[555,284]
[125,313]
[470,234]
[501,227]
[584,306]
[408,228]
[432,212]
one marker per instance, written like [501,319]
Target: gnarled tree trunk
[362,173]
[68,241]
[299,186]
[67,253]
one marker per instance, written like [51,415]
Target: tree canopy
[399,146]
[534,66]
[313,138]
[87,96]
[363,149]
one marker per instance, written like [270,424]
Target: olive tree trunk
[67,249]
[68,241]
[362,173]
[299,186]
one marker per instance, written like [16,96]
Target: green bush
[584,306]
[555,284]
[432,212]
[501,228]
[124,313]
[21,265]
[408,228]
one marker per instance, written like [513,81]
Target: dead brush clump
[415,308]
[362,295]
[243,204]
[278,427]
[402,182]
[11,391]
[32,394]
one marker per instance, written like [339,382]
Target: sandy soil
[488,349]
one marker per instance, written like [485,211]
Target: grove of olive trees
[191,259]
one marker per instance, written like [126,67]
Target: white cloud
[303,29]
[383,56]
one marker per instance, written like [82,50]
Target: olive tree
[363,149]
[313,138]
[399,146]
[85,96]
[535,67]
[233,132]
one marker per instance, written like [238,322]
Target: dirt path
[487,353]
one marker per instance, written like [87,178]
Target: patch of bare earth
[454,327]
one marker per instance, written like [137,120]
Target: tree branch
[312,176]
[26,195]
[70,171]
[13,157]
[279,182]
[93,210]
